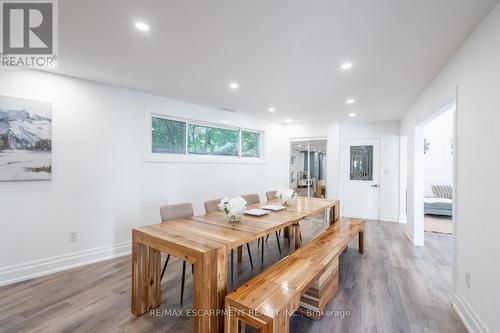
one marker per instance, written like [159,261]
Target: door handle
[375,185]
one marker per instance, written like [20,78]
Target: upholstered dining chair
[213,206]
[271,195]
[172,212]
[252,199]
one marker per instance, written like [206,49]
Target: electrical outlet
[73,236]
[467,280]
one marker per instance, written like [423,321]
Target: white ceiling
[283,53]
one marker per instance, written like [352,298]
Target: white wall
[473,76]
[438,161]
[101,184]
[388,134]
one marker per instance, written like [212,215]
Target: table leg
[209,291]
[361,240]
[146,269]
[240,254]
[297,236]
[286,232]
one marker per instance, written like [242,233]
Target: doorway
[438,173]
[413,191]
[308,162]
[361,178]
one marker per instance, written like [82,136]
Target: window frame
[207,125]
[260,142]
[151,135]
[150,156]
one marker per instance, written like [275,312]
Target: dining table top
[206,232]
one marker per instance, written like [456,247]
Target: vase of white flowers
[233,208]
[285,196]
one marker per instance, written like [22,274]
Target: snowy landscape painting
[25,139]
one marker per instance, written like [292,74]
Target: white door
[361,178]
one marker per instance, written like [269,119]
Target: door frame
[297,139]
[418,174]
[342,169]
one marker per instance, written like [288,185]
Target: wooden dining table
[204,241]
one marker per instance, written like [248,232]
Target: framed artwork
[25,139]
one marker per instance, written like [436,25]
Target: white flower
[223,203]
[233,206]
[285,195]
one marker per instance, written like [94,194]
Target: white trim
[202,159]
[37,268]
[314,138]
[402,219]
[454,194]
[389,219]
[472,322]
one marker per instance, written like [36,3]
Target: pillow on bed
[442,191]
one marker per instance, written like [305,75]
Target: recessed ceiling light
[352,114]
[346,66]
[234,85]
[287,120]
[350,101]
[300,145]
[141,26]
[272,109]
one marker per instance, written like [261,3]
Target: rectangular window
[250,144]
[204,140]
[168,136]
[361,163]
[186,137]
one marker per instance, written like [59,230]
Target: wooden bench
[305,281]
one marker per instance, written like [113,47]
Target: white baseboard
[389,219]
[468,316]
[402,219]
[37,268]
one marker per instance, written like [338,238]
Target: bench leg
[297,236]
[361,239]
[230,322]
[334,214]
[267,328]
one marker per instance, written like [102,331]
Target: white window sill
[159,158]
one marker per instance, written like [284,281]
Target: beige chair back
[212,206]
[251,198]
[178,211]
[271,195]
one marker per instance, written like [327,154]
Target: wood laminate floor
[393,287]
